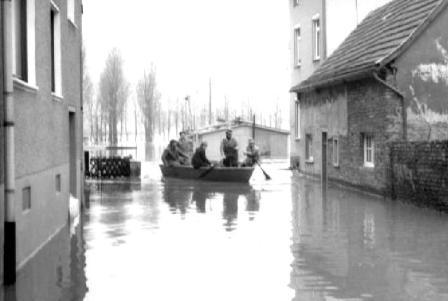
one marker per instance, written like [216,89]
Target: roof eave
[360,74]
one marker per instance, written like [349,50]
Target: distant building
[317,28]
[273,143]
[45,60]
[386,82]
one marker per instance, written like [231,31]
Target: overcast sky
[241,44]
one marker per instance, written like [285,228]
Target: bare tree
[114,91]
[87,94]
[148,99]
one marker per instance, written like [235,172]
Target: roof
[223,127]
[381,37]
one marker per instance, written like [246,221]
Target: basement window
[369,150]
[26,198]
[58,183]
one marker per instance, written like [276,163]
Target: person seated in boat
[229,150]
[171,155]
[199,158]
[252,154]
[185,146]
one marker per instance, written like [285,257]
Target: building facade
[387,82]
[47,88]
[317,28]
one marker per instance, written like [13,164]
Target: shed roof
[381,37]
[224,127]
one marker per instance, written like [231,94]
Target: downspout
[9,255]
[402,102]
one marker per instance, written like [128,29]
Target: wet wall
[423,77]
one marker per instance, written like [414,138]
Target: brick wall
[371,108]
[419,172]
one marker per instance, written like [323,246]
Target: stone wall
[419,172]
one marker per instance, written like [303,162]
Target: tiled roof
[380,38]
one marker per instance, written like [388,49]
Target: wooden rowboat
[218,173]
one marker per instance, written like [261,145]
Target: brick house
[42,46]
[386,82]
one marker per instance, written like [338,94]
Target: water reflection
[56,273]
[350,246]
[181,194]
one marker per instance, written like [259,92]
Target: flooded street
[284,239]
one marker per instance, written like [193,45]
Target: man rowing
[252,154]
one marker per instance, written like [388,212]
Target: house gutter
[402,102]
[9,259]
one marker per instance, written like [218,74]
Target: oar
[206,172]
[268,177]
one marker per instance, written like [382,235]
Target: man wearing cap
[229,150]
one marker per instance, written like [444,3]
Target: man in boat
[199,158]
[171,155]
[252,154]
[185,146]
[229,150]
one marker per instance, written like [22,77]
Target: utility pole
[210,101]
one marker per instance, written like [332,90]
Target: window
[369,150]
[309,148]
[26,198]
[297,60]
[55,24]
[71,10]
[316,37]
[58,183]
[335,151]
[23,41]
[297,119]
[19,37]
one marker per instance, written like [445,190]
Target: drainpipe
[9,256]
[402,101]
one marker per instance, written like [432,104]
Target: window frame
[297,41]
[316,36]
[368,150]
[56,61]
[27,76]
[71,11]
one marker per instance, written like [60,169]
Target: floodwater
[284,239]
